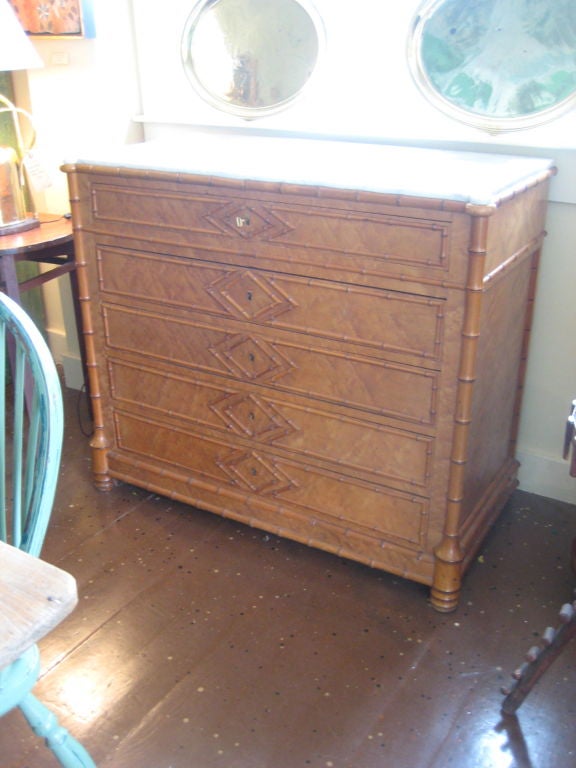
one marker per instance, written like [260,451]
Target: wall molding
[546,476]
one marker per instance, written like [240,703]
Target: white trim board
[546,476]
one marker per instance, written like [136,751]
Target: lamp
[16,52]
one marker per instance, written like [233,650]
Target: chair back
[31,429]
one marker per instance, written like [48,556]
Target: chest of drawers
[337,363]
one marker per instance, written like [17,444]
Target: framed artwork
[60,18]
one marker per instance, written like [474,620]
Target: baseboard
[71,364]
[73,373]
[57,342]
[546,476]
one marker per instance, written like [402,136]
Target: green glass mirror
[251,57]
[499,65]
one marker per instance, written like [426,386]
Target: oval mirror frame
[497,65]
[251,58]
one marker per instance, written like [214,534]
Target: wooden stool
[50,243]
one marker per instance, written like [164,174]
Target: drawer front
[402,325]
[205,404]
[293,363]
[244,472]
[307,232]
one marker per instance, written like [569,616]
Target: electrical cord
[81,421]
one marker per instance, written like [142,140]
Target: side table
[50,243]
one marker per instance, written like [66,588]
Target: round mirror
[499,65]
[251,57]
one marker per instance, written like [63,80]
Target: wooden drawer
[293,363]
[354,447]
[401,325]
[273,231]
[235,471]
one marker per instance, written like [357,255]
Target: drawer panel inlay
[393,456]
[257,225]
[292,364]
[206,459]
[386,320]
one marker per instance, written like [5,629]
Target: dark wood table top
[54,230]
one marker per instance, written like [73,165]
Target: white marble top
[472,177]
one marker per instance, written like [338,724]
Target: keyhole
[253,472]
[249,295]
[251,357]
[251,416]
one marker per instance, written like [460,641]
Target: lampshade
[16,50]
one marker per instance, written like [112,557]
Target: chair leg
[68,752]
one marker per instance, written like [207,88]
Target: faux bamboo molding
[449,555]
[99,442]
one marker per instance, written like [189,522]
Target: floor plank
[202,643]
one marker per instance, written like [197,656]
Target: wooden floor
[201,643]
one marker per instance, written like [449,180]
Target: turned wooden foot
[99,445]
[444,602]
[447,582]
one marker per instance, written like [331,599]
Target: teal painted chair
[31,433]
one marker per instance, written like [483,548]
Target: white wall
[551,378]
[364,91]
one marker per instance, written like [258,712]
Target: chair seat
[35,596]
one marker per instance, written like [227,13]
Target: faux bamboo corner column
[448,554]
[99,442]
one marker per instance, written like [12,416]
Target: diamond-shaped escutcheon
[249,221]
[253,297]
[258,474]
[253,417]
[251,358]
